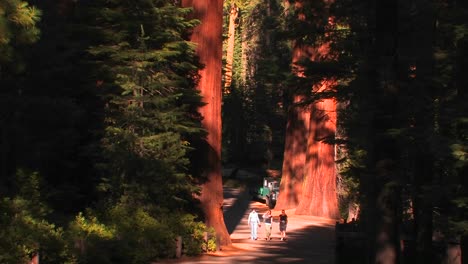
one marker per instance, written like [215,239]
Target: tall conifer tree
[146,74]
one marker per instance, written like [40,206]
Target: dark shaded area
[234,214]
[302,246]
[51,118]
[241,198]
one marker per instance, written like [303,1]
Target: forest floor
[309,239]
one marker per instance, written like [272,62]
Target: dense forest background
[101,137]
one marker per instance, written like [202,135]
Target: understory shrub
[24,229]
[134,234]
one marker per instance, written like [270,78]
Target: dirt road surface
[309,239]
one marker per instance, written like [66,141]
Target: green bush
[23,234]
[196,237]
[210,244]
[24,230]
[131,233]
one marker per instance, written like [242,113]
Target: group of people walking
[254,223]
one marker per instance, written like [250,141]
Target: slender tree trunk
[230,45]
[244,55]
[208,36]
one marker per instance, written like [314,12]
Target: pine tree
[148,73]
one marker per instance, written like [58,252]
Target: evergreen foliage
[108,98]
[18,27]
[150,72]
[25,229]
[401,124]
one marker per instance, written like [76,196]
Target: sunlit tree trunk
[208,36]
[319,196]
[297,130]
[244,56]
[230,45]
[309,173]
[319,193]
[295,148]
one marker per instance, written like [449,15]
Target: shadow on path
[313,244]
[310,245]
[310,240]
[236,204]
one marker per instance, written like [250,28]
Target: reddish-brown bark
[319,194]
[230,45]
[309,178]
[297,129]
[34,259]
[208,36]
[295,148]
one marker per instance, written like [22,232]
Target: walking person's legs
[283,231]
[254,231]
[267,231]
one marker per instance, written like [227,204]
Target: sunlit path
[310,239]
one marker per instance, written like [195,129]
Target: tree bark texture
[319,195]
[309,172]
[208,37]
[230,45]
[295,148]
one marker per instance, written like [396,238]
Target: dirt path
[310,239]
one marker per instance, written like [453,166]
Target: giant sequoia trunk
[297,130]
[309,174]
[208,36]
[297,133]
[319,195]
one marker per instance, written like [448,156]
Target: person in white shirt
[254,223]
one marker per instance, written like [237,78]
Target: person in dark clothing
[283,223]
